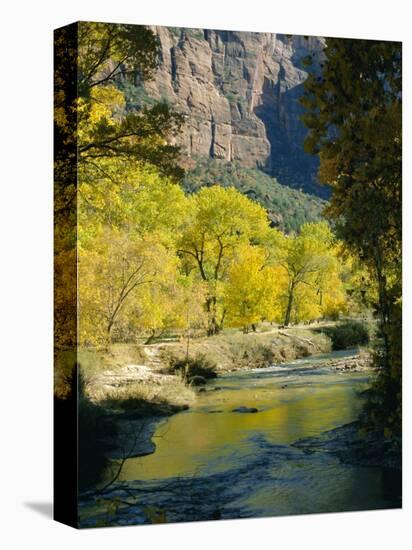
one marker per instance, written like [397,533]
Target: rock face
[239,91]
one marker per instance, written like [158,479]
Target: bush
[254,355]
[192,369]
[348,334]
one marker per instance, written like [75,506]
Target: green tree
[354,116]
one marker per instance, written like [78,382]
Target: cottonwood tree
[218,222]
[91,126]
[252,287]
[131,196]
[110,273]
[308,260]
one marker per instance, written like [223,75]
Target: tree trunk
[109,331]
[214,327]
[150,339]
[289,307]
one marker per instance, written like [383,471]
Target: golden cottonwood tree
[110,274]
[309,261]
[250,294]
[219,221]
[131,196]
[174,302]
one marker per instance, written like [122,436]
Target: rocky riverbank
[358,363]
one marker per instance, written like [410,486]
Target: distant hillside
[288,208]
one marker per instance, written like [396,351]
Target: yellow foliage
[111,271]
[251,289]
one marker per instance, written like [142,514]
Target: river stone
[245,410]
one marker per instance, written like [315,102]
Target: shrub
[348,334]
[194,368]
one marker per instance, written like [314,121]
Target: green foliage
[232,98]
[354,117]
[348,334]
[288,208]
[198,34]
[108,50]
[135,95]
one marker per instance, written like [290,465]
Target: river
[213,463]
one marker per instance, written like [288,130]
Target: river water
[213,463]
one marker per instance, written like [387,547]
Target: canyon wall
[239,92]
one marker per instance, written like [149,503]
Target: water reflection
[242,465]
[294,401]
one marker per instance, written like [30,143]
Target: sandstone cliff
[239,91]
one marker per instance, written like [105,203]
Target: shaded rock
[245,410]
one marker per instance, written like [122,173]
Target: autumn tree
[308,260]
[251,291]
[107,53]
[354,117]
[91,122]
[131,196]
[96,137]
[218,222]
[110,274]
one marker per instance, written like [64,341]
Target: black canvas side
[65,276]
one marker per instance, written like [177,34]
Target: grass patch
[148,399]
